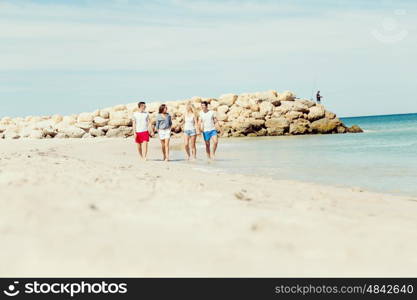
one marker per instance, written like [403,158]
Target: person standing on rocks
[209,124]
[163,125]
[318,97]
[190,131]
[143,130]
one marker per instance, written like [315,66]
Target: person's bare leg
[163,149]
[208,149]
[140,150]
[145,150]
[193,147]
[167,149]
[187,145]
[215,143]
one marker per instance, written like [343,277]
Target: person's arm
[197,128]
[134,127]
[200,124]
[170,121]
[217,124]
[152,127]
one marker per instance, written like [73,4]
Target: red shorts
[142,137]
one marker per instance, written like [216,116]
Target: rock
[235,112]
[120,122]
[306,102]
[85,117]
[85,125]
[96,132]
[354,129]
[341,129]
[105,114]
[277,126]
[36,134]
[286,96]
[325,125]
[292,115]
[57,118]
[221,117]
[243,101]
[87,135]
[268,95]
[300,106]
[214,104]
[73,132]
[11,133]
[299,126]
[122,131]
[61,135]
[119,108]
[100,121]
[222,109]
[70,120]
[1,135]
[329,115]
[228,99]
[266,108]
[316,112]
[120,118]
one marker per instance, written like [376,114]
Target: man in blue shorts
[208,124]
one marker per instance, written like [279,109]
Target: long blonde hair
[190,108]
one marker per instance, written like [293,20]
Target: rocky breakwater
[250,114]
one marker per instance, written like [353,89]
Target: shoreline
[86,208]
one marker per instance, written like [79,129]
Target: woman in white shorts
[190,131]
[163,126]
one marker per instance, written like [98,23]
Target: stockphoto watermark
[71,289]
[390,30]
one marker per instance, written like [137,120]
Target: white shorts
[164,134]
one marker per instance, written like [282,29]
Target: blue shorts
[190,132]
[209,134]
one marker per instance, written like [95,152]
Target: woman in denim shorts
[190,132]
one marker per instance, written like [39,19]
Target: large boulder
[277,126]
[292,115]
[122,131]
[96,132]
[72,131]
[243,101]
[104,113]
[85,125]
[354,129]
[266,108]
[120,118]
[228,99]
[286,96]
[325,125]
[316,112]
[119,108]
[85,117]
[36,134]
[11,133]
[100,122]
[299,126]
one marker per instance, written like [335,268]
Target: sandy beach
[89,207]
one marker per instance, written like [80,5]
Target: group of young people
[205,122]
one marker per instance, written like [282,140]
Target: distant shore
[74,207]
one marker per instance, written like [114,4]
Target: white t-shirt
[142,121]
[208,120]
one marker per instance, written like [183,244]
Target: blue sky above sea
[73,56]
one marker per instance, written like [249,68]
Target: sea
[382,159]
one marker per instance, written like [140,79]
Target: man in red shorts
[143,129]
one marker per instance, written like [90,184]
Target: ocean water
[382,159]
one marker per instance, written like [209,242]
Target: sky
[79,55]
